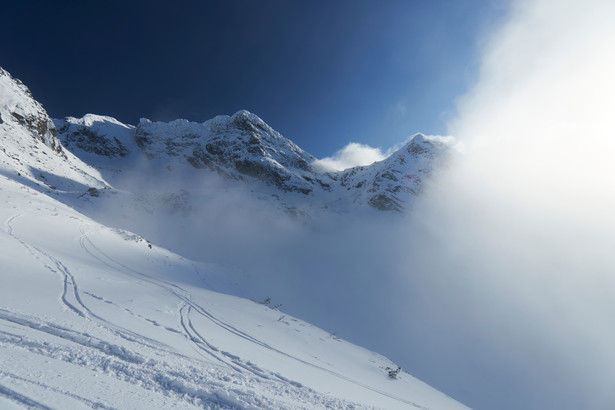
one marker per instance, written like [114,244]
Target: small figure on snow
[393,373]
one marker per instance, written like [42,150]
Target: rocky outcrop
[96,134]
[19,108]
[30,149]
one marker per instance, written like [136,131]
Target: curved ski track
[192,334]
[146,375]
[70,296]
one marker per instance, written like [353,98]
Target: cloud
[352,155]
[400,109]
[512,278]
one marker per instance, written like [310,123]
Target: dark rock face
[89,141]
[385,203]
[388,185]
[41,127]
[96,134]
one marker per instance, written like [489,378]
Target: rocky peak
[239,146]
[388,185]
[96,134]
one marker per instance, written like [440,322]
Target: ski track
[123,364]
[193,335]
[21,399]
[70,291]
[83,339]
[87,402]
[68,279]
[202,386]
[72,300]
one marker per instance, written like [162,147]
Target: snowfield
[93,317]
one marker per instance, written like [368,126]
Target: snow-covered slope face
[30,148]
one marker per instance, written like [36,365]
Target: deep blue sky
[323,73]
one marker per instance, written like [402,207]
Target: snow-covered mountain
[94,316]
[244,148]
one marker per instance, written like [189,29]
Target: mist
[512,284]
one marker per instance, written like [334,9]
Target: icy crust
[238,146]
[30,150]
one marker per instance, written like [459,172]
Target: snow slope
[92,316]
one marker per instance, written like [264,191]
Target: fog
[515,274]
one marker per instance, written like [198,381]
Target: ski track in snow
[72,300]
[21,399]
[70,296]
[68,279]
[192,334]
[120,362]
[205,386]
[87,402]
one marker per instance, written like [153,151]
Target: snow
[87,310]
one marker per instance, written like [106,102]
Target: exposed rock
[18,107]
[96,134]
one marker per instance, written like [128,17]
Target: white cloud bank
[352,155]
[514,276]
[355,154]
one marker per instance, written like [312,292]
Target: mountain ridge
[240,147]
[243,147]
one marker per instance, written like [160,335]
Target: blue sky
[322,73]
